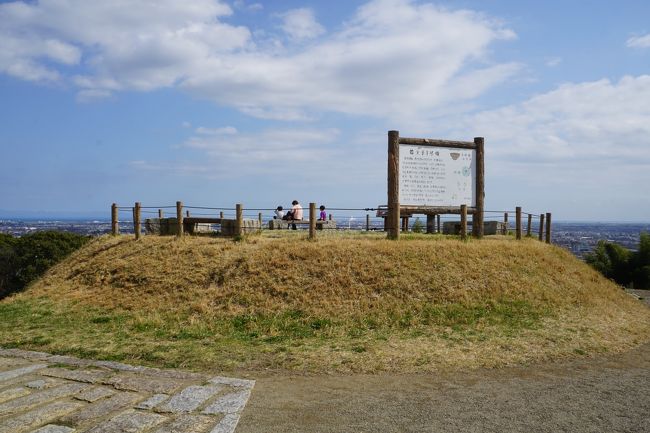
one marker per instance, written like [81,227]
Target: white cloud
[639,41]
[253,7]
[553,61]
[226,130]
[573,124]
[393,59]
[300,24]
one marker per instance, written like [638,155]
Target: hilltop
[340,303]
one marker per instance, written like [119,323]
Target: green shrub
[418,227]
[622,265]
[24,259]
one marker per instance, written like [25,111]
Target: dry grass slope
[341,303]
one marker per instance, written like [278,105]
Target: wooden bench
[278,224]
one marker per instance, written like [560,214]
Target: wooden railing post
[367,222]
[179,218]
[187,213]
[529,228]
[541,227]
[438,223]
[115,224]
[431,224]
[548,227]
[479,216]
[393,185]
[221,214]
[239,219]
[259,218]
[312,220]
[463,221]
[136,220]
[160,213]
[518,223]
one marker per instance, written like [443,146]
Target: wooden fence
[432,220]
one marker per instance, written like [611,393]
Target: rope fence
[235,221]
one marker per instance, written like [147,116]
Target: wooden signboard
[431,176]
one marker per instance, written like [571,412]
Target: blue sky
[215,102]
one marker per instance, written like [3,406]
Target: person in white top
[279,213]
[296,213]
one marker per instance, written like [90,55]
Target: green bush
[418,227]
[24,259]
[622,265]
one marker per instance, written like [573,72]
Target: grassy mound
[341,303]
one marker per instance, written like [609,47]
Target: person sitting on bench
[296,213]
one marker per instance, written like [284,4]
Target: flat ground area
[604,394]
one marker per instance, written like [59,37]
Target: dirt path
[607,394]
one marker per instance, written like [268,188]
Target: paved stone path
[42,393]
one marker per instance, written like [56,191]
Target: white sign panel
[436,176]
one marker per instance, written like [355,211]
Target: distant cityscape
[578,237]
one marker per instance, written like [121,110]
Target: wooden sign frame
[394,208]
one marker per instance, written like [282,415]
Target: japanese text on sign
[436,176]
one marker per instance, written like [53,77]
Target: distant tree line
[24,259]
[628,268]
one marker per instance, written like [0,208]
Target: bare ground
[605,394]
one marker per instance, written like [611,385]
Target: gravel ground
[604,394]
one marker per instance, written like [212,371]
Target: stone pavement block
[132,382]
[29,401]
[189,399]
[129,422]
[94,394]
[39,416]
[26,354]
[89,376]
[152,402]
[11,374]
[6,363]
[52,428]
[10,394]
[227,425]
[100,408]
[245,383]
[43,383]
[189,424]
[229,403]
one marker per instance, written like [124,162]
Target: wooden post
[393,185]
[548,227]
[312,220]
[505,218]
[221,214]
[187,213]
[431,224]
[541,227]
[330,217]
[438,223]
[478,217]
[136,220]
[115,225]
[367,222]
[259,218]
[529,228]
[239,219]
[518,223]
[463,221]
[160,213]
[179,218]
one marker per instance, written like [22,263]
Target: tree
[621,264]
[24,259]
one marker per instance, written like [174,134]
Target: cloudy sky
[214,102]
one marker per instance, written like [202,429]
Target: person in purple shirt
[323,214]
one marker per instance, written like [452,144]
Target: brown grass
[340,303]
